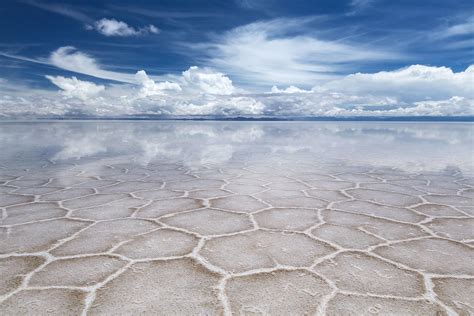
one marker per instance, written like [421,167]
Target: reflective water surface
[246,218]
[417,147]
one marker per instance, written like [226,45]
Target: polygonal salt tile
[173,287]
[437,210]
[364,305]
[37,237]
[159,243]
[13,199]
[207,194]
[328,195]
[28,183]
[306,176]
[44,302]
[357,177]
[244,188]
[94,184]
[456,293]
[64,181]
[358,272]
[210,222]
[246,181]
[130,186]
[116,209]
[239,203]
[263,249]
[391,198]
[468,193]
[454,200]
[281,198]
[453,228]
[389,212]
[290,186]
[36,190]
[67,194]
[281,292]
[330,184]
[467,209]
[162,207]
[12,270]
[390,187]
[195,184]
[158,194]
[387,229]
[7,189]
[32,212]
[346,237]
[410,182]
[103,236]
[93,200]
[432,255]
[84,271]
[287,218]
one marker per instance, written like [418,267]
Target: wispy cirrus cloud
[286,51]
[113,27]
[62,9]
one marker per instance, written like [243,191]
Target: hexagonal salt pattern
[272,238]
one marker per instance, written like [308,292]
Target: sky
[236,58]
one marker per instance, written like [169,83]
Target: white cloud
[149,87]
[290,89]
[208,81]
[74,88]
[286,51]
[68,58]
[113,27]
[414,90]
[410,84]
[465,27]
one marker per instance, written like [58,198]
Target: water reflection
[413,147]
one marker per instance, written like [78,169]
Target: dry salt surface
[191,218]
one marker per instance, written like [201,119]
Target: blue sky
[262,57]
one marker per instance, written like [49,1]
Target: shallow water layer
[250,218]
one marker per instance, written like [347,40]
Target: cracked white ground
[189,218]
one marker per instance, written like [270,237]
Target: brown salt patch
[38,236]
[44,302]
[346,237]
[159,243]
[281,292]
[431,255]
[174,287]
[103,236]
[263,249]
[363,305]
[32,212]
[456,293]
[162,207]
[358,272]
[240,203]
[287,218]
[210,222]
[84,271]
[12,270]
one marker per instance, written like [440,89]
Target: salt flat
[245,218]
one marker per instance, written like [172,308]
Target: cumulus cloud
[74,88]
[113,27]
[410,84]
[411,91]
[208,81]
[149,87]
